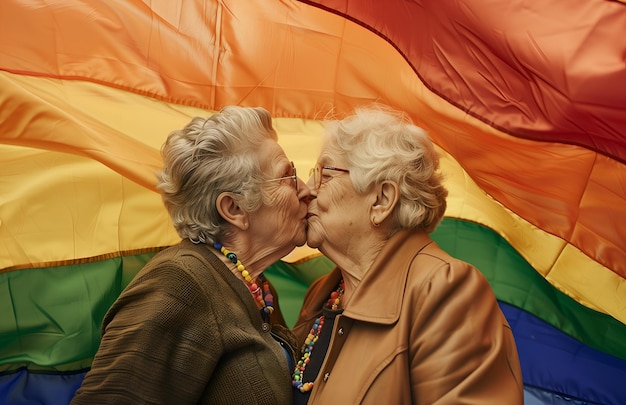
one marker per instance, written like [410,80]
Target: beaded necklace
[333,303]
[263,298]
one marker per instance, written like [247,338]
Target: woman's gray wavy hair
[378,144]
[210,156]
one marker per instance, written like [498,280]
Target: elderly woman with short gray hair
[398,321]
[200,324]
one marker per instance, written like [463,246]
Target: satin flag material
[524,101]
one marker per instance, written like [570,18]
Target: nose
[311,185]
[304,192]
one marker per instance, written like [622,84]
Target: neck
[353,271]
[354,261]
[256,256]
[245,252]
[258,285]
[350,285]
[231,266]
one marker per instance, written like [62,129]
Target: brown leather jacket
[421,328]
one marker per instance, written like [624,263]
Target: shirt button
[265,327]
[340,331]
[326,376]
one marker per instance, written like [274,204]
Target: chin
[312,245]
[300,240]
[312,241]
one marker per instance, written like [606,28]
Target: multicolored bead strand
[335,297]
[264,297]
[309,343]
[268,298]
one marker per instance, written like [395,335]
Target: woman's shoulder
[434,266]
[174,282]
[178,271]
[186,257]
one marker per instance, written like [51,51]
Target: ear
[387,196]
[229,209]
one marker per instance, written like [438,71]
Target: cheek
[330,201]
[286,204]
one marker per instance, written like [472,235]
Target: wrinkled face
[338,216]
[281,224]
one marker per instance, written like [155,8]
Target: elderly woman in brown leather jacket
[398,321]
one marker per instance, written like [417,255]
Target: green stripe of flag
[516,282]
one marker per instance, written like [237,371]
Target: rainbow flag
[526,101]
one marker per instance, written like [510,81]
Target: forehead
[271,155]
[328,156]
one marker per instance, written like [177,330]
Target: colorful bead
[264,297]
[309,343]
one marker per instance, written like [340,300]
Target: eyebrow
[285,170]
